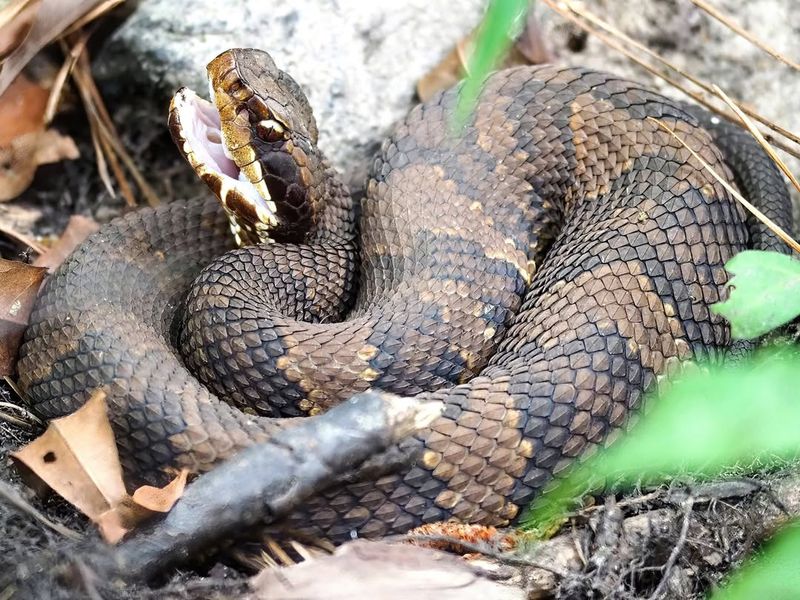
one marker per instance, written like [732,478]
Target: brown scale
[539,273]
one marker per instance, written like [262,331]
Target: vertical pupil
[269,130]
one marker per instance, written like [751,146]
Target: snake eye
[269,130]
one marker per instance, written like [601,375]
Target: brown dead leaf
[61,454]
[19,286]
[24,142]
[528,49]
[146,502]
[19,160]
[448,72]
[50,21]
[22,107]
[364,569]
[77,457]
[16,224]
[77,230]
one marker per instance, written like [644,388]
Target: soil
[730,528]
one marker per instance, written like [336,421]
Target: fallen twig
[265,482]
[32,420]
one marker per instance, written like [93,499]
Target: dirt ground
[726,528]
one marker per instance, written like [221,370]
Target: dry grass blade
[278,553]
[97,11]
[102,164]
[106,138]
[12,9]
[48,24]
[11,497]
[104,152]
[760,138]
[594,25]
[22,239]
[28,418]
[16,22]
[732,190]
[61,77]
[719,16]
[304,552]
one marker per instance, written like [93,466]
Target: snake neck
[332,207]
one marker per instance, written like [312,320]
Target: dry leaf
[19,286]
[528,49]
[363,569]
[24,142]
[145,502]
[19,160]
[21,109]
[50,21]
[77,457]
[446,535]
[531,44]
[77,230]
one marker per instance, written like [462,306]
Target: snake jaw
[197,130]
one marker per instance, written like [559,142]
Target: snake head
[254,145]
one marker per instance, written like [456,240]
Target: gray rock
[358,61]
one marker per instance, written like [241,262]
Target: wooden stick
[265,482]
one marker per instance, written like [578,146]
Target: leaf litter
[77,458]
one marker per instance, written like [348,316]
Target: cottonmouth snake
[538,272]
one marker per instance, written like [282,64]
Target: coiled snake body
[538,272]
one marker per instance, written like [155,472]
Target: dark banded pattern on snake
[538,273]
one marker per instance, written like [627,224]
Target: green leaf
[774,574]
[502,23]
[705,423]
[765,293]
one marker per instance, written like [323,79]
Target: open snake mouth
[196,128]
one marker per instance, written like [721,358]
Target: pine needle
[732,190]
[107,138]
[760,138]
[591,23]
[719,16]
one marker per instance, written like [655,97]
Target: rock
[357,61]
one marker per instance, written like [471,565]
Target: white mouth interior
[203,134]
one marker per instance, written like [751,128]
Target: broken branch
[267,481]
